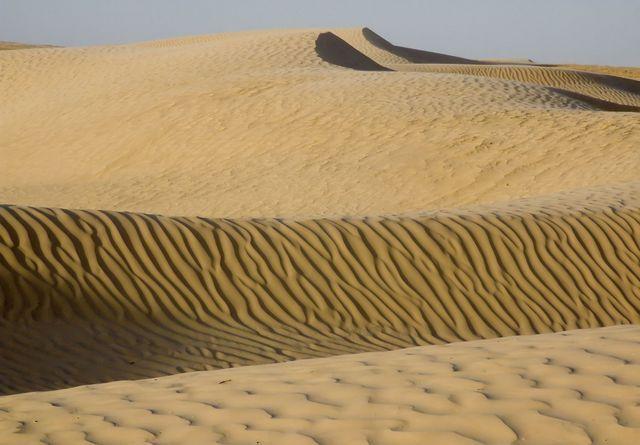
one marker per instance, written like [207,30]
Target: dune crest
[414,55]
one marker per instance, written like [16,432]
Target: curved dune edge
[334,50]
[412,55]
[603,91]
[586,86]
[599,104]
[576,387]
[595,90]
[94,296]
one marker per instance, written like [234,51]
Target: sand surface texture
[300,123]
[580,387]
[235,200]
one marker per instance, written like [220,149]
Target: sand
[301,206]
[260,125]
[16,45]
[579,387]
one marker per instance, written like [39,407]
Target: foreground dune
[249,198]
[578,387]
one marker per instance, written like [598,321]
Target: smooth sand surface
[234,200]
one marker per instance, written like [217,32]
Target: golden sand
[260,125]
[579,387]
[234,200]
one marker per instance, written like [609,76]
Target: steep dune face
[413,55]
[610,90]
[260,124]
[577,387]
[336,51]
[180,293]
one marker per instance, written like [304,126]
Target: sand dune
[413,55]
[579,387]
[599,86]
[337,51]
[260,124]
[16,45]
[249,198]
[619,71]
[188,294]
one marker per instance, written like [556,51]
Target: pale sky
[551,31]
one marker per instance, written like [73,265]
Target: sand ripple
[146,295]
[578,387]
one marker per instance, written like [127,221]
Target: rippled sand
[249,198]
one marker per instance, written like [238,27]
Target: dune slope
[175,294]
[288,124]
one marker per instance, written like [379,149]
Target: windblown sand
[235,200]
[578,387]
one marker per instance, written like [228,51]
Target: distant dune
[248,198]
[629,72]
[264,124]
[16,45]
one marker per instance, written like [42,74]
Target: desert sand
[579,387]
[383,245]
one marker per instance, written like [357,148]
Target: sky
[547,31]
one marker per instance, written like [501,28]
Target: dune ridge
[598,86]
[237,292]
[601,91]
[628,72]
[412,55]
[336,51]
